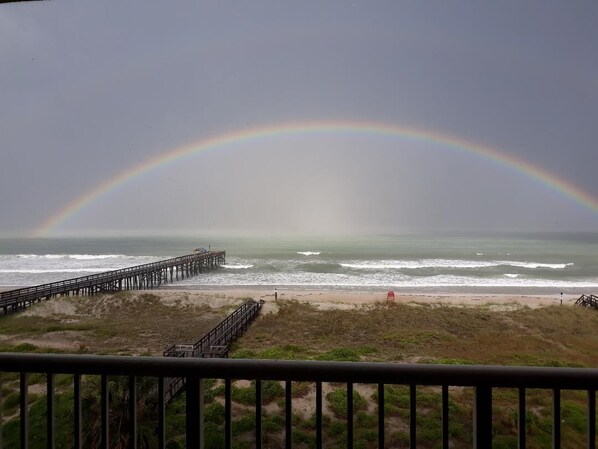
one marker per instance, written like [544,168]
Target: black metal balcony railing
[483,379]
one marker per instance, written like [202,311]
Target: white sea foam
[236,266]
[71,256]
[446,263]
[57,270]
[95,256]
[376,280]
[554,266]
[511,275]
[309,253]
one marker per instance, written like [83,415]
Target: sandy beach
[183,314]
[340,299]
[344,299]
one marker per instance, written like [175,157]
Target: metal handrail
[357,372]
[191,370]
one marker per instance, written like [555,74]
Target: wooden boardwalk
[139,277]
[588,301]
[214,344]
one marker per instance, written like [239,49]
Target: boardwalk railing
[215,343]
[483,379]
[588,301]
[137,277]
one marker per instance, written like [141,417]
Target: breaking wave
[447,263]
[71,256]
[236,266]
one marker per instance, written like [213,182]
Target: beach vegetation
[548,336]
[271,390]
[337,401]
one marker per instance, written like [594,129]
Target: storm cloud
[93,89]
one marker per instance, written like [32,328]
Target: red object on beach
[390,295]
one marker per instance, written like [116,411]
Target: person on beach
[275,294]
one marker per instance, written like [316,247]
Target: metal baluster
[412,417]
[288,407]
[482,418]
[349,415]
[227,414]
[445,417]
[591,419]
[318,415]
[50,421]
[194,418]
[77,440]
[380,416]
[24,428]
[258,414]
[556,418]
[521,419]
[133,412]
[1,417]
[161,415]
[105,413]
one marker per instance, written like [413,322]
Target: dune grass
[546,336]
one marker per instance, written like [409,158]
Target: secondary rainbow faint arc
[247,134]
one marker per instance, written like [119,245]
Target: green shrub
[285,352]
[244,424]
[244,354]
[364,419]
[273,423]
[214,413]
[11,402]
[302,437]
[300,389]
[271,390]
[338,402]
[336,428]
[347,354]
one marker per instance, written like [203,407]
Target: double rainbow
[549,179]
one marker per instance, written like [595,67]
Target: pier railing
[483,379]
[141,276]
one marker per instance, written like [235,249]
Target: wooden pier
[214,344]
[587,301]
[140,277]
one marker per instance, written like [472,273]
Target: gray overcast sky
[89,89]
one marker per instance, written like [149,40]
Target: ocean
[485,263]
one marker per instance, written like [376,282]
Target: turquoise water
[509,263]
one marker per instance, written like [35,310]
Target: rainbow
[301,128]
